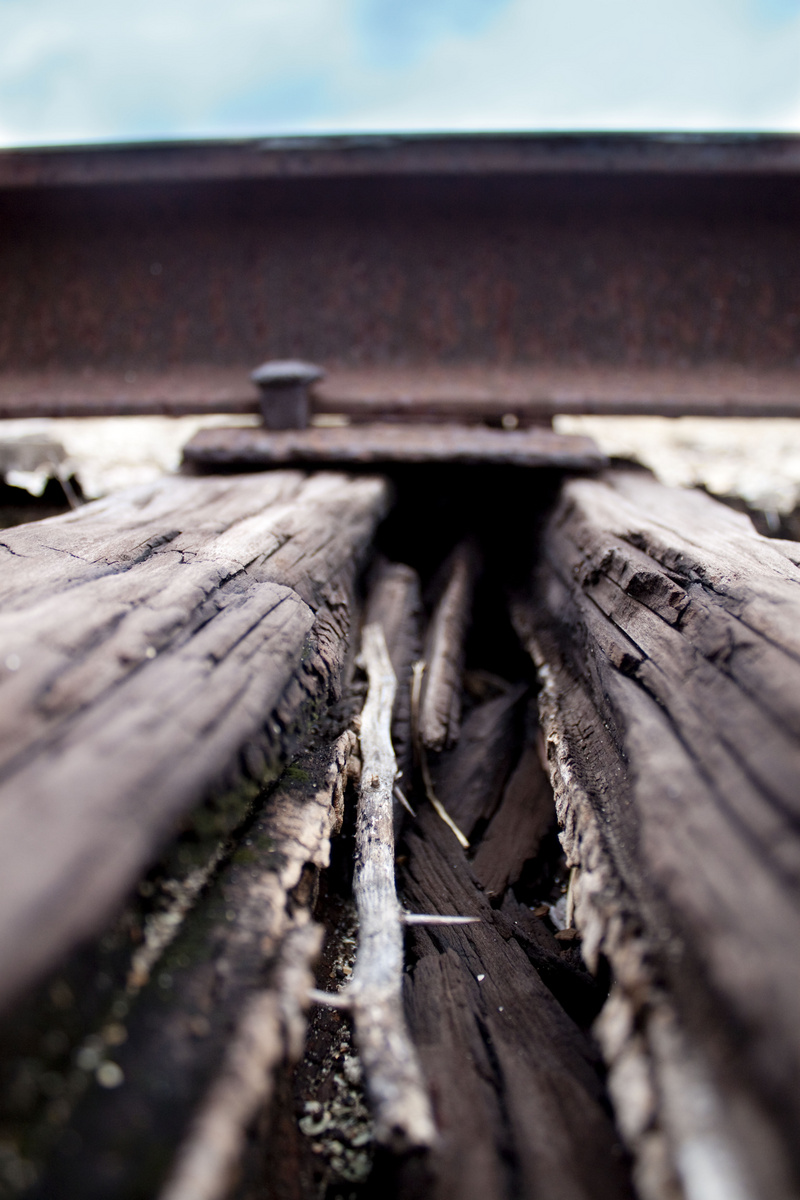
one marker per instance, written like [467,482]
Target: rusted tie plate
[286,438]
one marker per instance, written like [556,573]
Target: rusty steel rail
[464,276]
[399,154]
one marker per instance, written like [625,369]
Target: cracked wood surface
[224,1009]
[469,778]
[394,602]
[394,1081]
[440,701]
[523,817]
[517,1093]
[157,647]
[667,633]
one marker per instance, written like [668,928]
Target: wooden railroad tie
[200,676]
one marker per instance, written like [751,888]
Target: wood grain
[394,602]
[440,701]
[523,817]
[224,1008]
[667,633]
[397,1093]
[518,1098]
[469,779]
[156,648]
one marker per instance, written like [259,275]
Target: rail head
[699,154]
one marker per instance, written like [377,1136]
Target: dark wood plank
[668,636]
[523,817]
[223,1009]
[470,778]
[439,717]
[382,443]
[159,647]
[518,1097]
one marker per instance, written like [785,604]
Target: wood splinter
[440,701]
[436,919]
[418,670]
[403,1118]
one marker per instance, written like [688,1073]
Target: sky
[75,71]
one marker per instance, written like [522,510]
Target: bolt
[284,387]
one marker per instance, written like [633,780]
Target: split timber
[169,653]
[161,647]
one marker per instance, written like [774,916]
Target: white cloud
[115,69]
[622,63]
[93,69]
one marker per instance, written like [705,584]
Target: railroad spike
[285,385]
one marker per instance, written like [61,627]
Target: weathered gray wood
[224,1006]
[394,1081]
[156,648]
[394,602]
[667,633]
[440,702]
[294,840]
[380,443]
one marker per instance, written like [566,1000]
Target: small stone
[567,935]
[88,1058]
[114,1034]
[311,1128]
[352,1070]
[110,1075]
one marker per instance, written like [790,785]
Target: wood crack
[137,686]
[675,767]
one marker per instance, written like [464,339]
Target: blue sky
[88,70]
